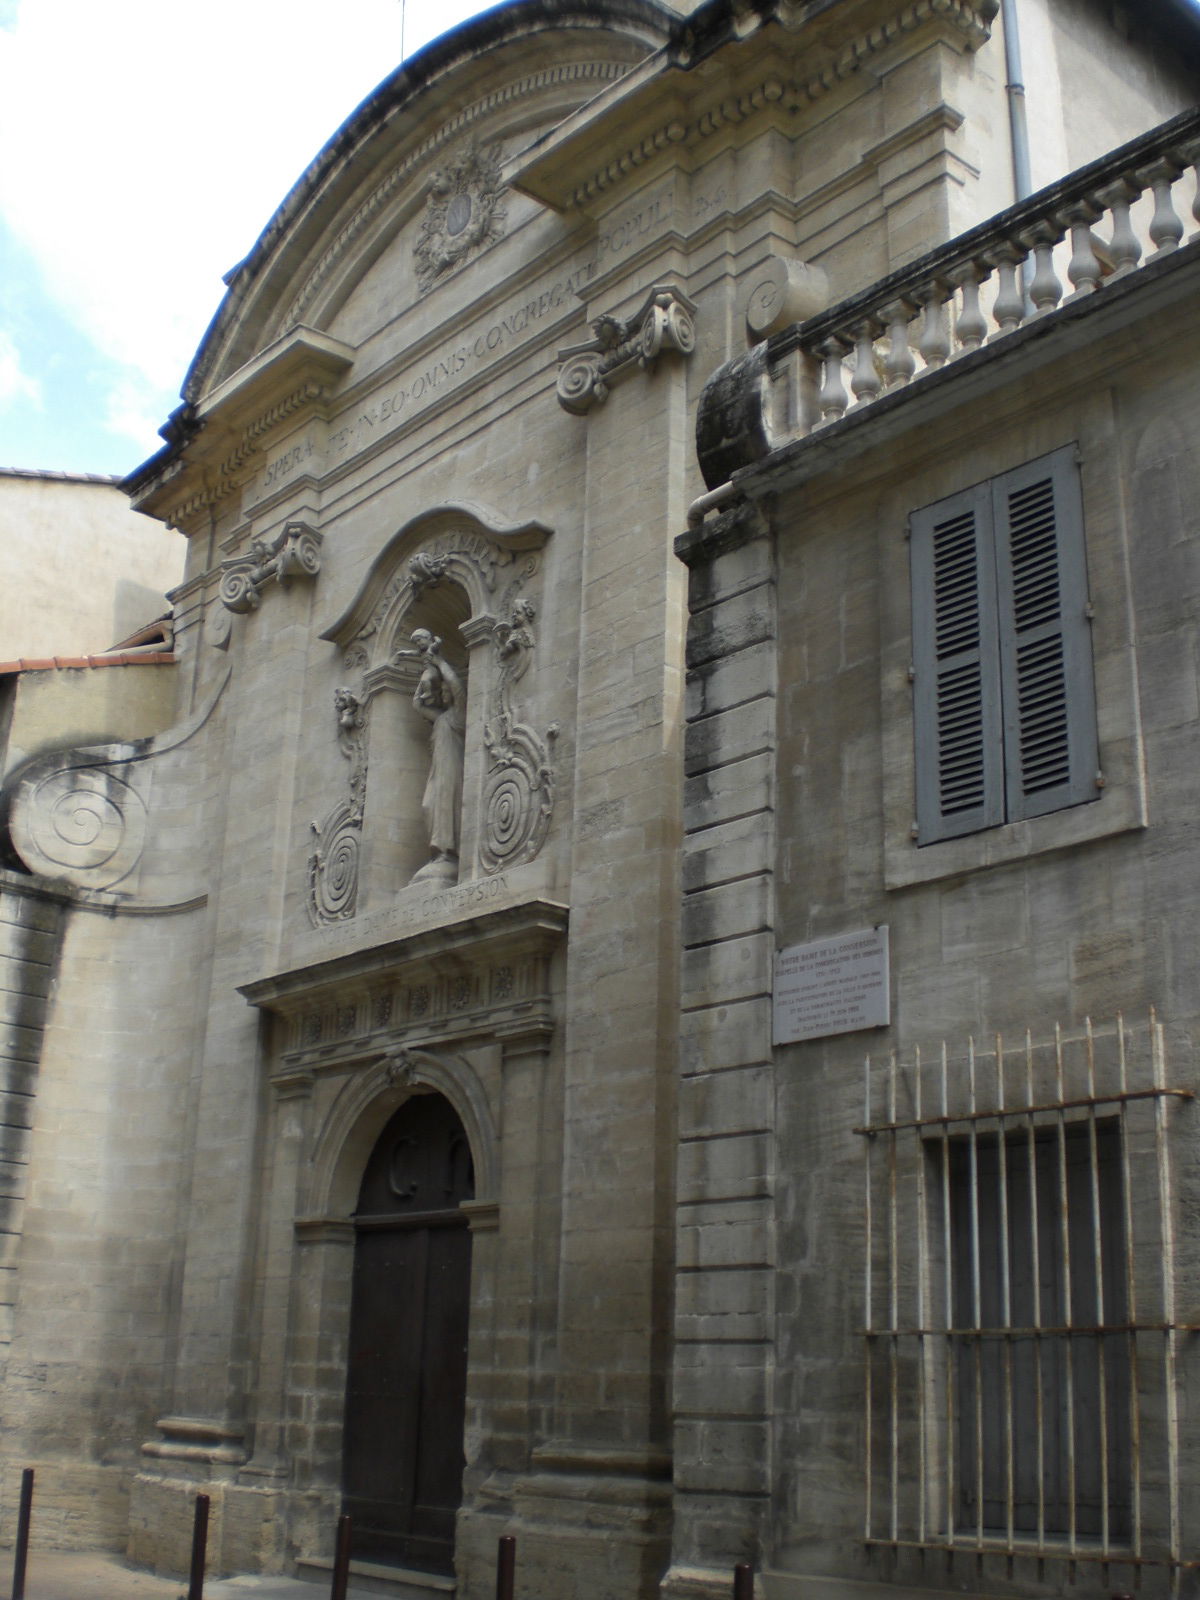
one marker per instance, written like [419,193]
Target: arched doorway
[407,1369]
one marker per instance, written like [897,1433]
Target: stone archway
[407,1367]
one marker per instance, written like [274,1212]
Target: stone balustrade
[1074,238]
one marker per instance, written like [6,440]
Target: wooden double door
[407,1370]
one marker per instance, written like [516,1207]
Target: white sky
[144,144]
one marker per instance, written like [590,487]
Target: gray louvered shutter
[956,688]
[1045,637]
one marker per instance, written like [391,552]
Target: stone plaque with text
[832,986]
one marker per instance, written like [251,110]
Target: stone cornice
[559,171]
[532,927]
[294,375]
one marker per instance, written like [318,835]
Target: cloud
[144,146]
[16,385]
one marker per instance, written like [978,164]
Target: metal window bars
[1020,1334]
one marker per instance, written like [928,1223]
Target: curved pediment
[422,156]
[462,543]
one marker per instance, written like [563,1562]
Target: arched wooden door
[407,1370]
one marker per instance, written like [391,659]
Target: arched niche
[367,1102]
[462,574]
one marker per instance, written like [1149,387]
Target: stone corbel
[296,553]
[666,321]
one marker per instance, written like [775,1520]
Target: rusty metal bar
[1114,1558]
[506,1566]
[1065,1235]
[195,1589]
[893,1306]
[1170,1398]
[869,1318]
[1005,1297]
[341,1558]
[1098,1274]
[743,1581]
[1046,1331]
[21,1549]
[948,1295]
[869,1130]
[1035,1259]
[1135,1434]
[922,1268]
[976,1287]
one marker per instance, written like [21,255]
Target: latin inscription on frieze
[445,369]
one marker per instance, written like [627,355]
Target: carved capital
[666,321]
[296,553]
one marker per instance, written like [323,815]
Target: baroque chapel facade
[389,1128]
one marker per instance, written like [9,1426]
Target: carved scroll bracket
[296,553]
[666,321]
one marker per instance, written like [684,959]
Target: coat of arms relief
[464,213]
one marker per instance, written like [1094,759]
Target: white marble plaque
[832,986]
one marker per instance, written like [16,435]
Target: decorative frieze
[295,553]
[484,974]
[666,321]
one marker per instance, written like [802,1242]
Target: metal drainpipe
[1015,90]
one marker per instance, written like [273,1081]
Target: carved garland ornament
[333,865]
[464,213]
[666,321]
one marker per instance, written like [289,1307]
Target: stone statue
[441,698]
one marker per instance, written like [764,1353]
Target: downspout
[1015,90]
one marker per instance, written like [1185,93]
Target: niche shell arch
[494,564]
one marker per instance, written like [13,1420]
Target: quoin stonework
[628,978]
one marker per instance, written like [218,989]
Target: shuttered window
[1002,661]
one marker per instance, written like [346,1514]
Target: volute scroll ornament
[666,321]
[296,553]
[333,865]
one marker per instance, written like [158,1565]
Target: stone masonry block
[727,736]
[731,625]
[729,1454]
[745,906]
[731,681]
[736,1166]
[746,566]
[731,850]
[727,1102]
[718,1036]
[735,970]
[733,791]
[719,1306]
[744,1238]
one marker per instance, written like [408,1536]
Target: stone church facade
[389,1127]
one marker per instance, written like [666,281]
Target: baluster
[833,398]
[866,381]
[934,343]
[970,325]
[1166,230]
[1083,269]
[1124,247]
[1009,307]
[899,363]
[1045,290]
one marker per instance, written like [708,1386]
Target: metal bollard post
[199,1549]
[743,1581]
[341,1560]
[506,1566]
[21,1553]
